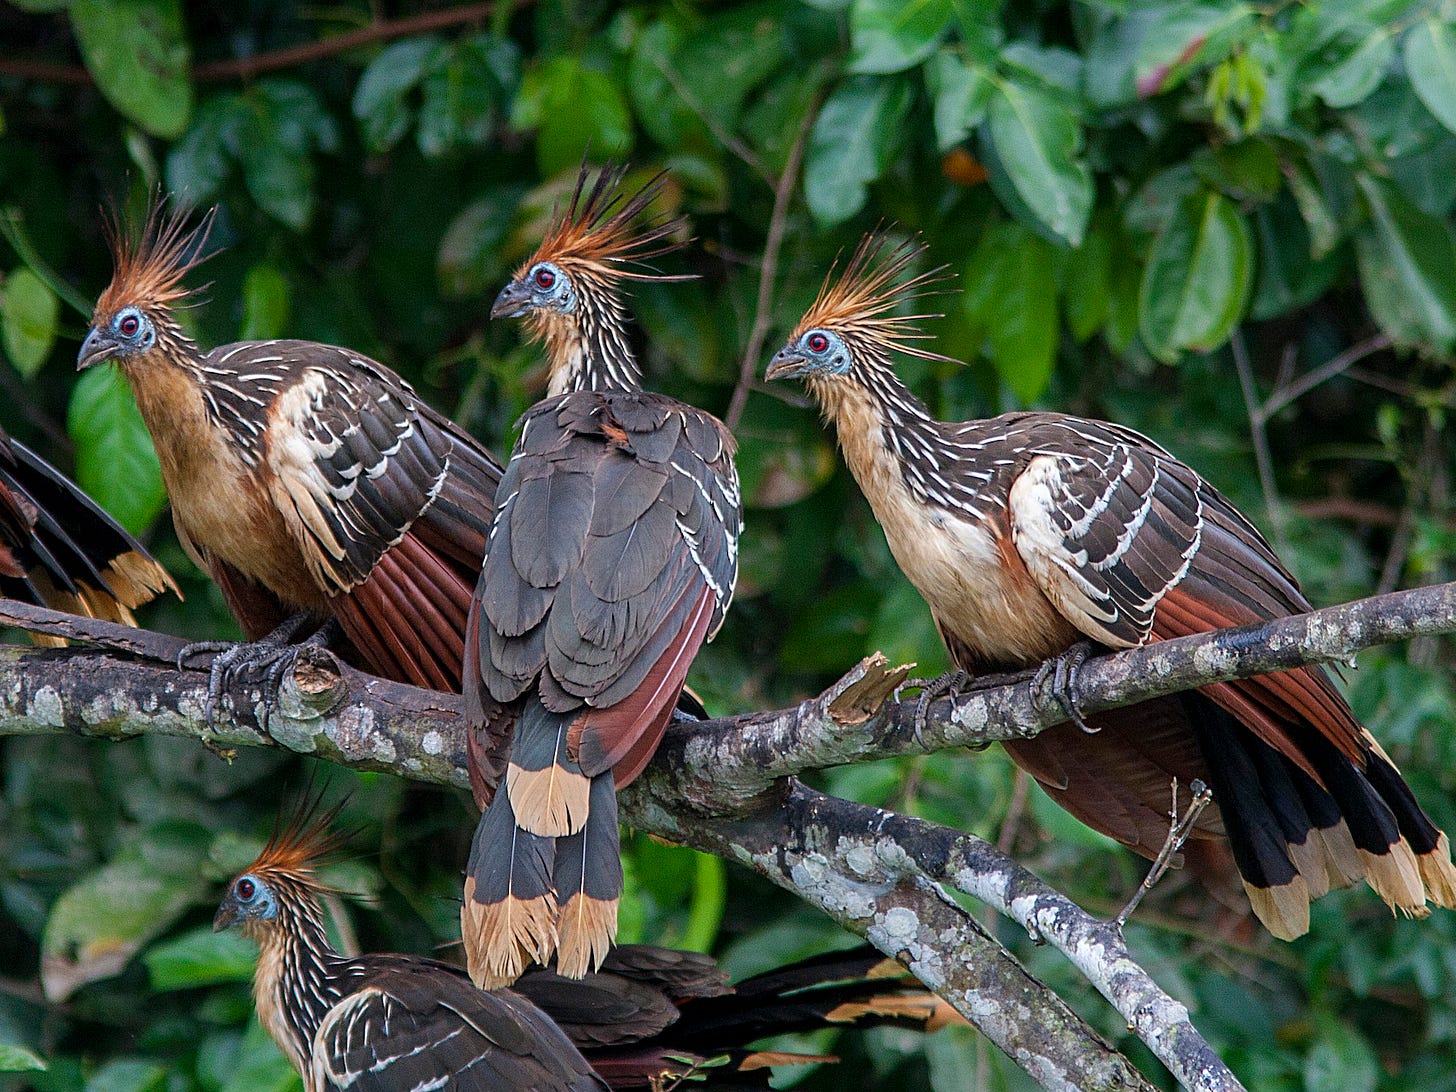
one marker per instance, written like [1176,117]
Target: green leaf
[201,958]
[115,460]
[1038,143]
[18,1059]
[380,98]
[705,912]
[1341,1059]
[1087,285]
[458,107]
[199,163]
[1407,268]
[260,1066]
[1182,37]
[962,91]
[1430,60]
[29,311]
[265,303]
[137,52]
[1012,296]
[853,141]
[128,1075]
[572,107]
[1197,279]
[893,35]
[1355,76]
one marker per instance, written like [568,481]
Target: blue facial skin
[543,287]
[129,331]
[814,352]
[249,898]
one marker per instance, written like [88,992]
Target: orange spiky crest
[598,232]
[302,837]
[148,265]
[860,303]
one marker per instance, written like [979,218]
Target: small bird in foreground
[611,560]
[60,549]
[309,481]
[1031,532]
[651,1017]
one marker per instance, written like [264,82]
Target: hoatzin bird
[60,549]
[649,1017]
[612,558]
[310,481]
[1030,532]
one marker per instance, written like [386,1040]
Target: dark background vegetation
[1121,188]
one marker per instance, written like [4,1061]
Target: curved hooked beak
[227,916]
[513,301]
[97,348]
[786,364]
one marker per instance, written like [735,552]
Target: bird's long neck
[892,443]
[589,349]
[294,985]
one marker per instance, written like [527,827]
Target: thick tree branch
[720,785]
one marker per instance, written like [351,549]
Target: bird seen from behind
[309,481]
[612,558]
[1031,532]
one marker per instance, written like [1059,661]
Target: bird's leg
[947,685]
[1062,671]
[231,658]
[1178,831]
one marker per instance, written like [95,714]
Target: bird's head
[282,877]
[541,286]
[854,323]
[135,312]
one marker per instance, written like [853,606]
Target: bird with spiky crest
[611,560]
[378,1022]
[309,481]
[60,549]
[650,1017]
[1031,533]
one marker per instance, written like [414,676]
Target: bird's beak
[786,364]
[96,348]
[227,916]
[512,301]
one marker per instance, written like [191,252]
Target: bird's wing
[613,557]
[1131,545]
[426,1027]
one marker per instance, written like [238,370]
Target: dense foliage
[1121,188]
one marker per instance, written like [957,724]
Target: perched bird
[311,482]
[611,560]
[1030,532]
[379,1022]
[60,549]
[650,1016]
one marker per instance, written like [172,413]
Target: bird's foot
[268,657]
[1062,671]
[1179,828]
[942,686]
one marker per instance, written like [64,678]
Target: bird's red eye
[246,888]
[129,325]
[818,343]
[545,278]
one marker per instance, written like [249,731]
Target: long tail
[545,870]
[62,550]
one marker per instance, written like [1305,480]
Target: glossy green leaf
[725,57]
[893,35]
[571,107]
[1197,279]
[1353,78]
[138,54]
[1011,294]
[381,95]
[265,303]
[1086,285]
[1407,269]
[115,460]
[18,1059]
[1038,143]
[1181,37]
[128,1075]
[1430,59]
[200,958]
[29,311]
[853,140]
[199,163]
[962,92]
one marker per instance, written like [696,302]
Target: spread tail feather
[589,884]
[547,788]
[508,917]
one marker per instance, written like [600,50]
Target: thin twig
[1260,436]
[768,271]
[723,136]
[243,68]
[1284,395]
[1178,832]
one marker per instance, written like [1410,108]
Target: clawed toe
[1060,675]
[947,685]
[268,657]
